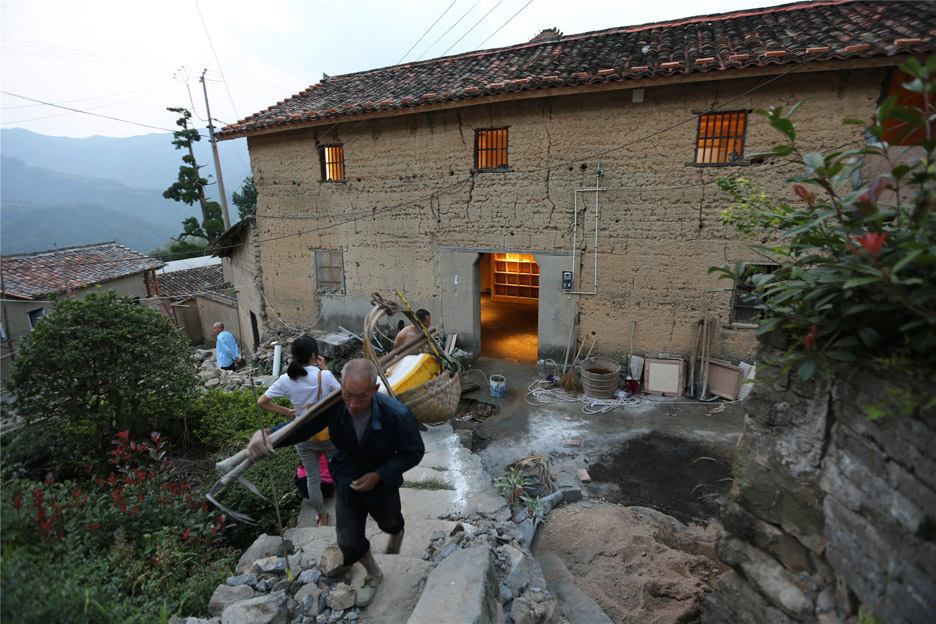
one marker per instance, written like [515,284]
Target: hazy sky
[130,59]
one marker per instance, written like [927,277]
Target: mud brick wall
[656,239]
[830,509]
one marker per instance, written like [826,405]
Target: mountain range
[61,191]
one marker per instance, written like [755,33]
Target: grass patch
[428,484]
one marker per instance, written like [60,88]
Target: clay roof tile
[713,44]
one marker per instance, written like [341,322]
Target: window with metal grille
[329,272]
[745,305]
[491,149]
[332,159]
[721,139]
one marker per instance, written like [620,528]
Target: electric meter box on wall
[567,280]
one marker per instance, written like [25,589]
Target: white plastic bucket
[498,386]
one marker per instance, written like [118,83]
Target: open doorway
[509,306]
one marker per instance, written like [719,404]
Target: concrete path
[462,560]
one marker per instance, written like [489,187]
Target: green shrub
[857,266]
[111,549]
[99,365]
[226,420]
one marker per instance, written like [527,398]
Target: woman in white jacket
[305,382]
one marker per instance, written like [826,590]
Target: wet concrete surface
[672,453]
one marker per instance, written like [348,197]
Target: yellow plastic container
[410,372]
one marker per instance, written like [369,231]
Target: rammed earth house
[570,179]
[31,282]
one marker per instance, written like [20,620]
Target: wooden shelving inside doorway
[514,278]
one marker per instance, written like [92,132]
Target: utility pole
[217,161]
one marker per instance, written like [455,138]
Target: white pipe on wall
[277,356]
[595,190]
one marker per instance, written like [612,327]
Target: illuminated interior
[334,163]
[492,148]
[509,325]
[721,138]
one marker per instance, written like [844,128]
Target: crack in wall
[460,127]
[470,197]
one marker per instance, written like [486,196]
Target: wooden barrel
[600,377]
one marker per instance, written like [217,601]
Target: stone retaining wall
[830,509]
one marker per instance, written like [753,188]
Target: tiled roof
[792,33]
[30,276]
[225,244]
[188,282]
[219,298]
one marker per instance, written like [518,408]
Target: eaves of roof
[224,245]
[709,47]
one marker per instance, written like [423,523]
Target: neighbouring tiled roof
[189,282]
[218,297]
[792,33]
[30,276]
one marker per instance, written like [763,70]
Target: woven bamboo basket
[436,400]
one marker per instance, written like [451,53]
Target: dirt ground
[641,543]
[471,413]
[670,474]
[638,565]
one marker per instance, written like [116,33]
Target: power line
[96,97]
[427,31]
[448,31]
[473,27]
[83,112]
[217,60]
[82,57]
[149,92]
[504,24]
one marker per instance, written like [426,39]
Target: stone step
[419,535]
[399,590]
[462,589]
[434,504]
[307,513]
[455,518]
[312,541]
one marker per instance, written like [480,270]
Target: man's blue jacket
[390,446]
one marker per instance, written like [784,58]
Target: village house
[570,179]
[241,265]
[31,282]
[189,301]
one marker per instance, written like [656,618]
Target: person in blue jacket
[225,348]
[377,441]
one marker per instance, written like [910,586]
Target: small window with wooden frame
[491,149]
[329,272]
[720,139]
[746,307]
[331,158]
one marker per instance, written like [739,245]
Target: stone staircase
[462,559]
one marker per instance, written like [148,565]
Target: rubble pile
[524,593]
[260,364]
[321,591]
